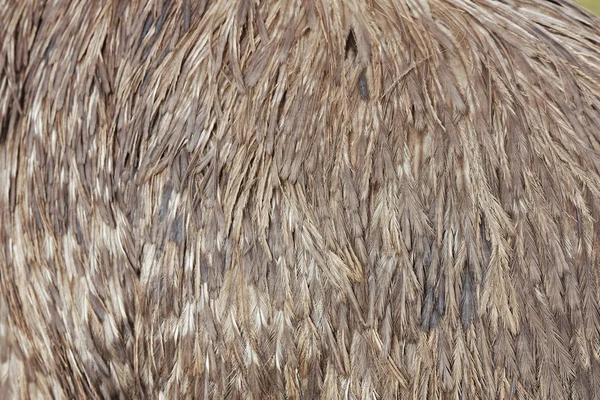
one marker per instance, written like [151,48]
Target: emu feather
[299,199]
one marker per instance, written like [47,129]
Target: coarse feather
[273,199]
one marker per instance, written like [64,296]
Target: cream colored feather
[354,199]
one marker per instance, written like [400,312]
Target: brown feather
[299,199]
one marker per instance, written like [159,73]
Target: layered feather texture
[299,199]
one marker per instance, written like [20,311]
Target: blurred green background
[593,5]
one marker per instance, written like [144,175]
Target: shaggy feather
[299,199]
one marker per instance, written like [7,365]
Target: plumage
[299,199]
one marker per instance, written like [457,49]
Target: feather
[299,199]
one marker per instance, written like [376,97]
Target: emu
[300,199]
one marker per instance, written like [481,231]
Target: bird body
[299,199]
